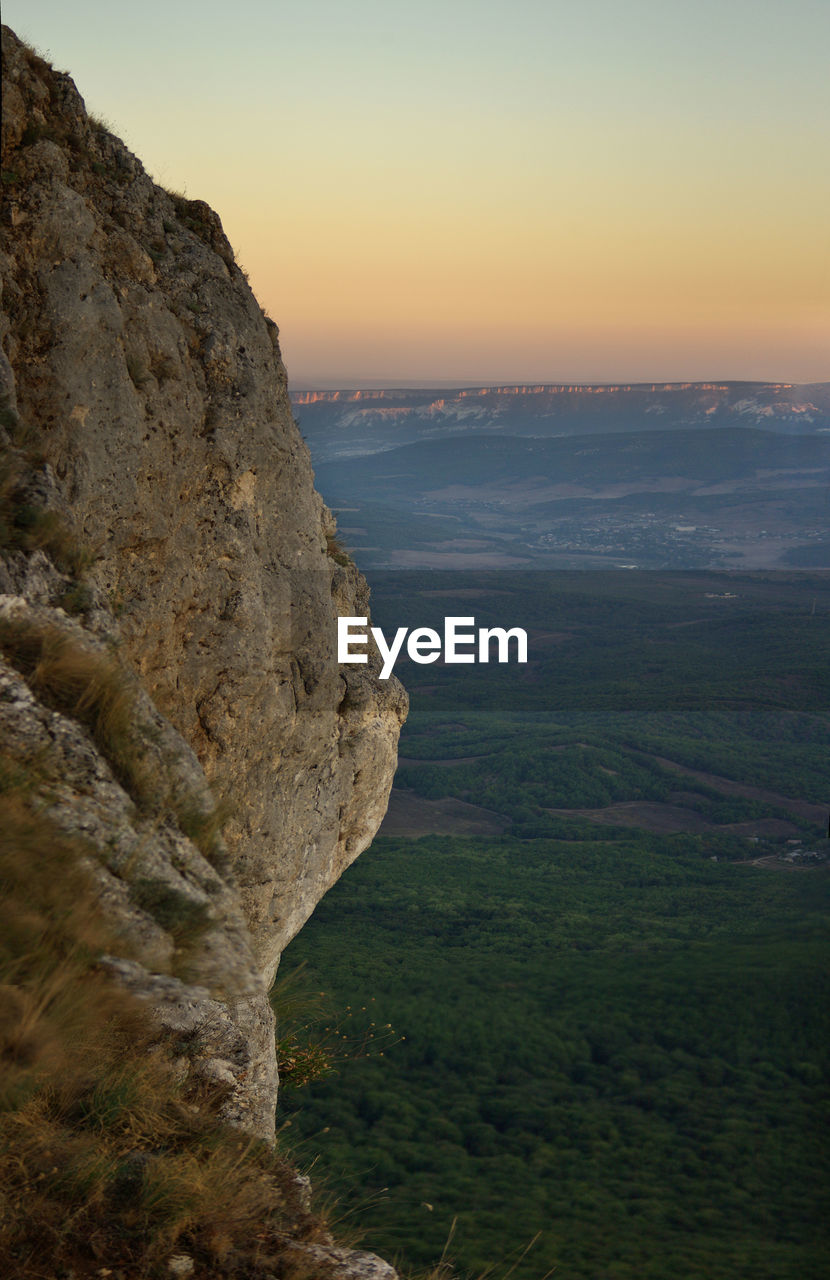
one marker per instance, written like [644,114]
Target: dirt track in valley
[413,815]
[800,808]
[667,819]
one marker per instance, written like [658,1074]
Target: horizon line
[300,386]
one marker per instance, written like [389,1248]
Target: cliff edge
[161,535]
[154,386]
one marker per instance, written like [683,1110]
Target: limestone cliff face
[183,939]
[154,386]
[146,405]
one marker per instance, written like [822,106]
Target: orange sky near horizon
[620,192]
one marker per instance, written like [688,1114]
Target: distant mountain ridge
[355,422]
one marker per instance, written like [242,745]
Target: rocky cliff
[165,554]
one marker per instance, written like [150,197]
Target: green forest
[604,1042]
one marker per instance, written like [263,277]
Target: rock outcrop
[147,409]
[154,386]
[184,941]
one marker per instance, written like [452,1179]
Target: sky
[474,192]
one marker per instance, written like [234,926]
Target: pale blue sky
[485,192]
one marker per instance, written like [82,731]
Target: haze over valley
[650,476]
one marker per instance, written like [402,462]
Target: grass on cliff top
[105,1160]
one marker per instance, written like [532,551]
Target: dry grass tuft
[338,553]
[314,1041]
[87,685]
[105,1162]
[26,527]
[204,827]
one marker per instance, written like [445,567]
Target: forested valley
[576,994]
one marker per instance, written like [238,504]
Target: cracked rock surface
[152,385]
[145,408]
